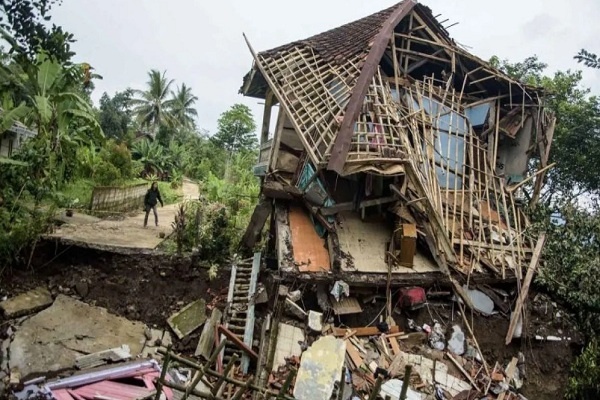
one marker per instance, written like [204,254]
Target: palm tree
[151,106]
[182,107]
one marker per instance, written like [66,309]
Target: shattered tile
[288,344]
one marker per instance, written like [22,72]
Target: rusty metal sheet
[310,253]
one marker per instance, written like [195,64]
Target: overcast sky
[200,42]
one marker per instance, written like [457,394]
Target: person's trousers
[153,208]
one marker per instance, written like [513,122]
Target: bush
[119,156]
[584,382]
[107,174]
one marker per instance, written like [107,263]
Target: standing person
[150,201]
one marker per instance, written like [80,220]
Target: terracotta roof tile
[344,42]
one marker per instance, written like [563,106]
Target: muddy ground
[151,288]
[142,287]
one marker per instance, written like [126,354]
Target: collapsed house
[397,157]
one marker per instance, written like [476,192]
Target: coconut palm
[182,107]
[152,106]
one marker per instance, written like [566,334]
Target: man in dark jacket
[150,201]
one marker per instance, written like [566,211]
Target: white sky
[200,42]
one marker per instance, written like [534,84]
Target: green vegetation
[136,135]
[569,210]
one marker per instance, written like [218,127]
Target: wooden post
[525,288]
[163,373]
[407,372]
[376,388]
[287,384]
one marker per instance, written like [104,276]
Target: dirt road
[127,233]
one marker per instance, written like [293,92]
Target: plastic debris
[456,344]
[340,288]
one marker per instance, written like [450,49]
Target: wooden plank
[376,202]
[264,133]
[343,139]
[237,342]
[408,244]
[207,337]
[347,305]
[525,287]
[510,372]
[364,331]
[354,354]
[257,222]
[326,211]
[394,344]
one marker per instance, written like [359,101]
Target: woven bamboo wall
[118,198]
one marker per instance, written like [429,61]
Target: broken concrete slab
[103,357]
[53,339]
[26,303]
[288,344]
[190,318]
[207,338]
[320,367]
[315,321]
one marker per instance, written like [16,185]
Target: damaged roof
[356,38]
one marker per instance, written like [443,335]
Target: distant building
[13,138]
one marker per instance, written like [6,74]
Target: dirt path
[127,233]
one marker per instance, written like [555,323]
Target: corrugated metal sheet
[62,394]
[113,390]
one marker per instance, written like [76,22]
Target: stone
[53,339]
[15,377]
[295,296]
[283,291]
[26,303]
[288,344]
[315,321]
[148,333]
[82,288]
[190,318]
[320,368]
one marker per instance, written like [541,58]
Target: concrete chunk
[190,318]
[26,303]
[315,321]
[52,339]
[320,367]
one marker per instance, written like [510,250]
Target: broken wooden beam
[237,342]
[525,287]
[366,331]
[207,338]
[257,222]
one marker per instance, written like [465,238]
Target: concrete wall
[118,198]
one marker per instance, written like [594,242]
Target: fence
[118,198]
